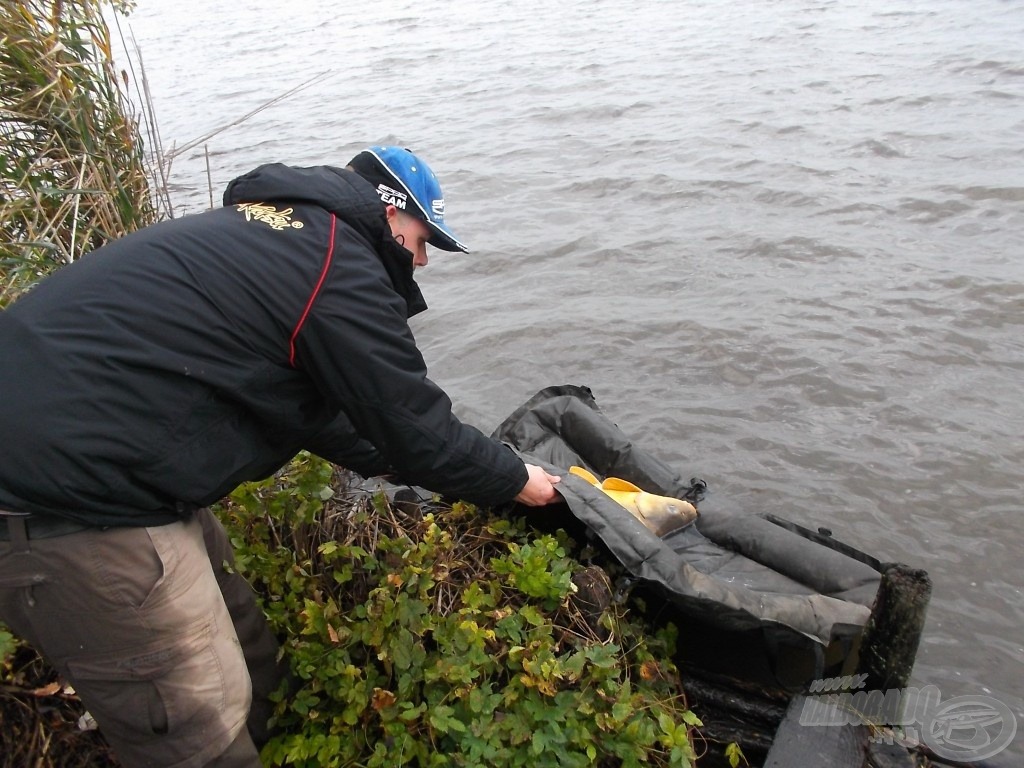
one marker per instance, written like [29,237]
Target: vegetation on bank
[444,635]
[420,634]
[72,169]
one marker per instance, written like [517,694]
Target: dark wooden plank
[810,746]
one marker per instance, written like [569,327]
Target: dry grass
[39,720]
[72,168]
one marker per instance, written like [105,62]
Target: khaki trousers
[165,647]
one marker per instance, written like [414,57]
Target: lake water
[781,241]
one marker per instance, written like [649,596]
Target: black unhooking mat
[759,596]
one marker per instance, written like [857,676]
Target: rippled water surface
[782,242]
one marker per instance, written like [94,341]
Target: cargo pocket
[125,566]
[193,689]
[127,706]
[20,569]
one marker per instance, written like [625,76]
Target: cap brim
[444,239]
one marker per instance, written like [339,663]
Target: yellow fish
[661,514]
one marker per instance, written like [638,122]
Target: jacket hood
[341,192]
[345,194]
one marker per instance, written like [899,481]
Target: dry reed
[72,170]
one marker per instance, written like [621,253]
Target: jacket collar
[345,194]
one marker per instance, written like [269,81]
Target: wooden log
[733,711]
[735,699]
[893,632]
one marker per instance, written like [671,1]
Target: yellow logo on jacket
[269,215]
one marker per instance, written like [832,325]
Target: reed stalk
[73,174]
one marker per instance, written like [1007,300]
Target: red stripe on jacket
[313,295]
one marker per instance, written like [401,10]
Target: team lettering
[393,197]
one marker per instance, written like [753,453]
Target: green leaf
[621,710]
[7,645]
[734,754]
[691,719]
[328,548]
[441,718]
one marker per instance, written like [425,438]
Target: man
[145,381]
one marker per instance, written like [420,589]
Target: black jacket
[163,369]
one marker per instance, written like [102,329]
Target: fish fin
[581,472]
[618,484]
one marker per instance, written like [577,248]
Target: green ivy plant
[445,635]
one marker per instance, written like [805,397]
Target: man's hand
[539,489]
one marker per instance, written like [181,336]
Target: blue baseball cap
[406,182]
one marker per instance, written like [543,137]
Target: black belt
[37,526]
